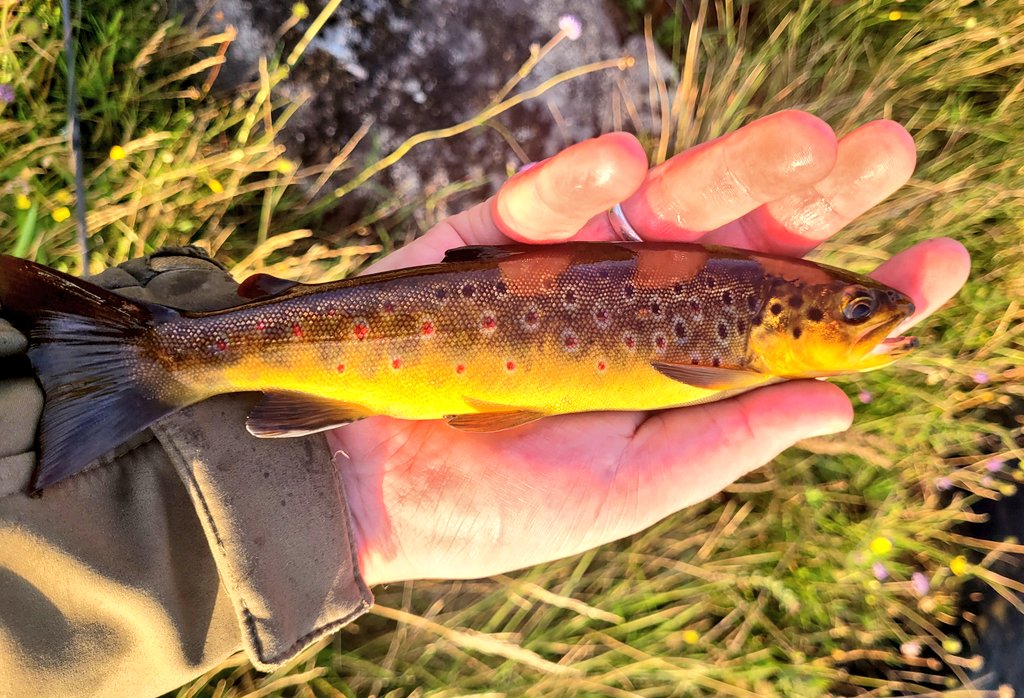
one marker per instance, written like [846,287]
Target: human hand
[429,501]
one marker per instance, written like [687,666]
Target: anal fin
[287,414]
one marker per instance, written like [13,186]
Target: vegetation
[835,569]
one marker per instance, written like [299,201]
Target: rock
[413,66]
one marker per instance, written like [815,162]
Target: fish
[490,338]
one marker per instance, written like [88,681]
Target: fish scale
[491,338]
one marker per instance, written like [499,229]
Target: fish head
[823,329]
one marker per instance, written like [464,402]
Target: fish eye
[859,306]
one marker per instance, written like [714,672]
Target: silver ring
[622,228]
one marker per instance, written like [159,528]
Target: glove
[187,543]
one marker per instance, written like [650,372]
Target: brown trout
[489,339]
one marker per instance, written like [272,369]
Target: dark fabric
[186,544]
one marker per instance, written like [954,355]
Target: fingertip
[797,410]
[930,272]
[553,200]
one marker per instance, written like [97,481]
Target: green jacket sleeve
[189,543]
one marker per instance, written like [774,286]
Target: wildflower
[215,186]
[994,465]
[61,214]
[571,26]
[881,573]
[970,23]
[981,377]
[284,166]
[865,397]
[944,484]
[300,10]
[691,637]
[118,153]
[895,16]
[6,93]
[911,649]
[881,546]
[958,565]
[63,196]
[952,645]
[920,583]
[22,202]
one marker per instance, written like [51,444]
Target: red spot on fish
[510,365]
[396,363]
[570,341]
[297,329]
[601,366]
[361,330]
[221,345]
[460,369]
[341,368]
[629,341]
[260,325]
[427,328]
[488,322]
[659,341]
[389,307]
[331,311]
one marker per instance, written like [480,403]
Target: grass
[769,588]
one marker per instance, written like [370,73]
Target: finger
[930,272]
[548,202]
[681,457]
[872,162]
[551,201]
[715,183]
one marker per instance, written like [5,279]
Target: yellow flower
[61,214]
[895,16]
[63,196]
[691,637]
[118,153]
[952,645]
[284,166]
[215,186]
[881,546]
[958,565]
[300,10]
[22,202]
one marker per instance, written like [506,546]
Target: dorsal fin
[284,414]
[259,286]
[480,253]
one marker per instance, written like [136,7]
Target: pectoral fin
[279,415]
[710,377]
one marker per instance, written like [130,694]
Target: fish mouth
[895,347]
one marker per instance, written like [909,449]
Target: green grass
[767,589]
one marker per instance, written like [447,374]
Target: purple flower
[571,26]
[6,93]
[944,483]
[981,377]
[920,583]
[865,397]
[881,574]
[994,465]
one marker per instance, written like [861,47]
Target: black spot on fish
[797,332]
[776,308]
[655,308]
[440,294]
[727,297]
[751,303]
[709,281]
[723,332]
[716,362]
[741,326]
[680,329]
[570,297]
[694,307]
[629,291]
[758,319]
[795,301]
[694,361]
[678,288]
[501,287]
[814,314]
[468,290]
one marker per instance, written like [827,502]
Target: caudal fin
[85,345]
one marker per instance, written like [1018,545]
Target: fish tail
[86,345]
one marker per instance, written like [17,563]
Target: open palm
[429,501]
